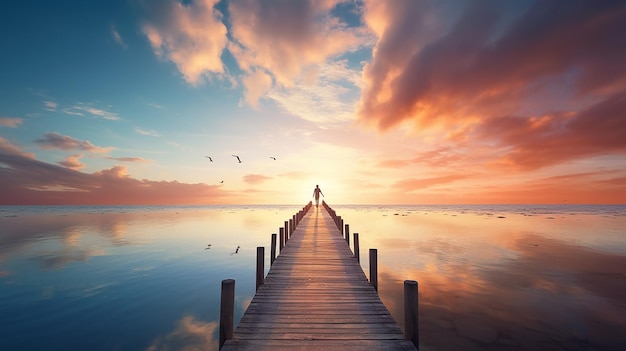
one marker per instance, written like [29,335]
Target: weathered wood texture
[316,297]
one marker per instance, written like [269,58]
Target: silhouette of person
[316,194]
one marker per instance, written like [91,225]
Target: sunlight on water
[145,278]
[503,278]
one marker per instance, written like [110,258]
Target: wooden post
[374,268]
[291,227]
[260,266]
[227,310]
[286,231]
[348,234]
[411,327]
[281,232]
[356,247]
[273,249]
[340,224]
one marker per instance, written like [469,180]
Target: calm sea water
[142,278]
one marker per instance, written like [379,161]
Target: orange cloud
[26,181]
[473,70]
[56,140]
[10,122]
[416,184]
[191,35]
[73,162]
[255,178]
[128,159]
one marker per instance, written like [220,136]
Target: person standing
[316,194]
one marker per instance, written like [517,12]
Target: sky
[119,102]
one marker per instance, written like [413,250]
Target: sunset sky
[378,102]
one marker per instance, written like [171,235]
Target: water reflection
[125,278]
[491,278]
[190,335]
[514,283]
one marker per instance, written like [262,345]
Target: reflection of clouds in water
[554,294]
[95,290]
[72,236]
[59,259]
[189,335]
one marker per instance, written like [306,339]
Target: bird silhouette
[237,157]
[210,159]
[208,247]
[236,251]
[273,158]
[222,182]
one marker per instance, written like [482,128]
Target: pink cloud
[54,140]
[190,35]
[73,162]
[416,183]
[468,69]
[128,159]
[26,181]
[8,148]
[10,122]
[255,178]
[540,141]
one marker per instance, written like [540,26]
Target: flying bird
[237,157]
[222,182]
[208,247]
[210,159]
[273,158]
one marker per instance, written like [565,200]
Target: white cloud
[117,37]
[147,132]
[329,99]
[192,36]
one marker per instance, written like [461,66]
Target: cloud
[416,184]
[189,335]
[284,37]
[147,132]
[536,142]
[117,37]
[72,162]
[50,105]
[81,108]
[26,181]
[488,62]
[329,96]
[129,159]
[190,35]
[8,148]
[10,122]
[54,140]
[256,84]
[255,178]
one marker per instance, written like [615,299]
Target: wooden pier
[315,296]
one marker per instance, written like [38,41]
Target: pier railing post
[273,249]
[286,231]
[260,266]
[374,268]
[291,223]
[281,232]
[348,234]
[356,247]
[411,325]
[227,311]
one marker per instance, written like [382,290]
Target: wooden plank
[316,297]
